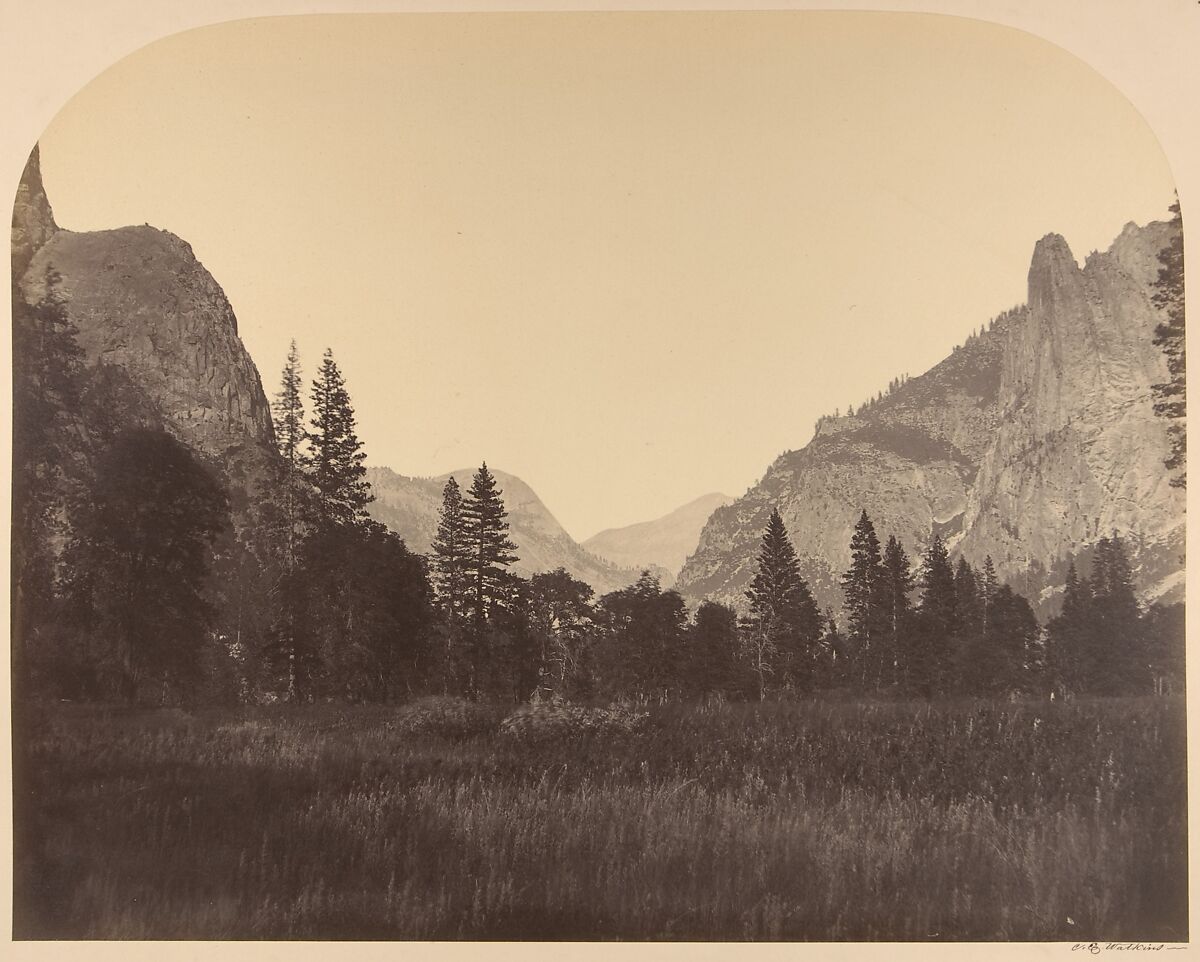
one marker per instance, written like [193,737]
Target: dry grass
[792,821]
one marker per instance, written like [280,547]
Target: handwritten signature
[1095,948]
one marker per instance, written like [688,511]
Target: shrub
[449,717]
[559,720]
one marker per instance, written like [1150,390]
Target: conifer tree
[451,562]
[485,520]
[1119,652]
[783,615]
[490,552]
[451,552]
[291,498]
[896,585]
[862,587]
[336,460]
[933,650]
[1068,653]
[288,409]
[1010,644]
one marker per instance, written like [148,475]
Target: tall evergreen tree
[896,585]
[288,409]
[932,654]
[862,585]
[292,500]
[490,552]
[451,552]
[1069,653]
[782,609]
[1171,396]
[451,569]
[1119,656]
[336,459]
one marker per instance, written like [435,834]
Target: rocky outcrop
[663,543]
[32,220]
[158,331]
[1078,452]
[1028,443]
[410,507]
[142,302]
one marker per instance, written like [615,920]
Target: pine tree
[896,585]
[451,552]
[288,408]
[862,587]
[490,552]
[968,624]
[1119,658]
[784,620]
[1068,652]
[336,462]
[1171,396]
[292,500]
[933,649]
[451,561]
[1010,645]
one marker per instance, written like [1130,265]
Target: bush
[446,716]
[560,720]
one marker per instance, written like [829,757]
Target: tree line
[141,574]
[940,629]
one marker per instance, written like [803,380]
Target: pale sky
[628,257]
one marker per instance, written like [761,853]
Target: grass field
[813,821]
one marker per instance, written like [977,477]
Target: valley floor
[795,821]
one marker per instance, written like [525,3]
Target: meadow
[817,820]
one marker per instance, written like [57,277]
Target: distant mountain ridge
[664,542]
[1028,443]
[411,506]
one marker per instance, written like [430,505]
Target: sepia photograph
[611,476]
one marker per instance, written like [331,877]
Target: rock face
[663,543]
[1029,443]
[410,507]
[32,220]
[1078,452]
[146,307]
[144,303]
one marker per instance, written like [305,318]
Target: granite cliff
[1028,443]
[147,309]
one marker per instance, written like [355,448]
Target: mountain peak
[33,219]
[663,543]
[1026,444]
